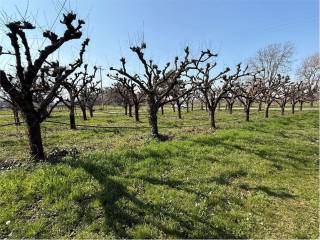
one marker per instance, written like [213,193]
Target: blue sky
[233,28]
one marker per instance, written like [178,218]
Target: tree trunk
[187,103]
[260,107]
[72,118]
[91,111]
[34,135]
[192,105]
[201,105]
[136,112]
[16,116]
[219,106]
[247,110]
[311,103]
[179,110]
[162,111]
[84,112]
[206,107]
[126,109]
[301,105]
[173,107]
[292,107]
[130,110]
[230,106]
[266,113]
[153,120]
[282,109]
[212,117]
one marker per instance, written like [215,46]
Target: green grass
[244,180]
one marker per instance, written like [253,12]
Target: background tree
[112,97]
[124,93]
[9,102]
[283,95]
[179,90]
[93,92]
[302,95]
[296,90]
[274,59]
[74,86]
[22,89]
[157,84]
[230,100]
[216,87]
[84,94]
[247,92]
[130,93]
[309,73]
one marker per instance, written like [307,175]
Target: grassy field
[243,180]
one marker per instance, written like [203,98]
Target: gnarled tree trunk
[84,112]
[125,109]
[179,110]
[136,112]
[130,110]
[153,120]
[260,107]
[293,105]
[212,118]
[34,135]
[266,113]
[230,106]
[91,111]
[212,112]
[301,105]
[173,107]
[247,110]
[72,118]
[282,109]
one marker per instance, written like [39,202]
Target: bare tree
[130,93]
[296,91]
[157,84]
[260,99]
[309,73]
[124,94]
[274,59]
[93,92]
[179,90]
[247,91]
[83,95]
[192,98]
[230,100]
[213,89]
[113,97]
[74,86]
[9,102]
[24,86]
[284,93]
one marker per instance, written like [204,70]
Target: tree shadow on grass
[189,186]
[123,210]
[284,157]
[268,191]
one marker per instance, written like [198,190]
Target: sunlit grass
[243,180]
